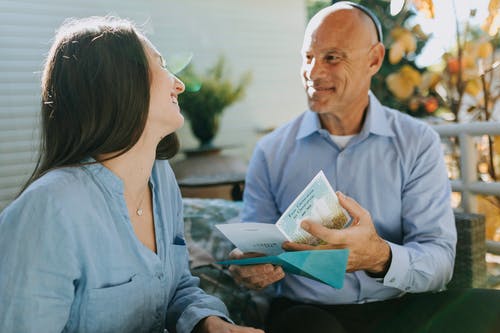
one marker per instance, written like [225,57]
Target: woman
[94,243]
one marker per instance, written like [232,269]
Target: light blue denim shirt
[394,168]
[70,260]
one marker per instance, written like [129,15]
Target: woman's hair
[95,94]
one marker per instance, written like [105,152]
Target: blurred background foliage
[463,86]
[207,96]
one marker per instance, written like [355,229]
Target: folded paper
[327,266]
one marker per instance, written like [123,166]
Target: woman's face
[164,113]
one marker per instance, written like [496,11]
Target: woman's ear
[376,58]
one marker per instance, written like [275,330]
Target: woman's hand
[254,277]
[214,324]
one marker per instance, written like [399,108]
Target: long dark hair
[95,94]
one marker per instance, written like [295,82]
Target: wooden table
[210,174]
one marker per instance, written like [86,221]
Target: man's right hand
[254,276]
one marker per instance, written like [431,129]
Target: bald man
[390,171]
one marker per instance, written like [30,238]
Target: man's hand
[214,324]
[367,251]
[254,276]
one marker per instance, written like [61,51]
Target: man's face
[335,66]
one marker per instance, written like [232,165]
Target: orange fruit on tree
[431,104]
[453,65]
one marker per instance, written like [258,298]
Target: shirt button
[407,288]
[392,280]
[160,276]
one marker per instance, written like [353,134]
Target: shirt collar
[375,121]
[107,177]
[310,124]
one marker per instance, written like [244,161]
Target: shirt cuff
[188,321]
[397,275]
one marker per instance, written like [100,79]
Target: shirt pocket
[179,261]
[121,308]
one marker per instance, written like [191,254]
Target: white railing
[468,185]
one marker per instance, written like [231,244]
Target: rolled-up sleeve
[190,305]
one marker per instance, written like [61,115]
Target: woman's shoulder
[60,181]
[49,193]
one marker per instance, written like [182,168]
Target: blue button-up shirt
[70,260]
[394,168]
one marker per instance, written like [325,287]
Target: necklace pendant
[139,211]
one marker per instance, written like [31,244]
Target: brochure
[263,238]
[317,202]
[327,266]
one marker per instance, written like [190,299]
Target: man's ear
[376,58]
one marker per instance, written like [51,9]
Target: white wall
[257,35]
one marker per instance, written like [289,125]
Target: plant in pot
[206,97]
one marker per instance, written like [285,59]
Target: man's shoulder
[406,126]
[284,133]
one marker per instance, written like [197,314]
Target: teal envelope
[327,266]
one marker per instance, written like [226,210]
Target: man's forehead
[341,34]
[332,38]
[345,18]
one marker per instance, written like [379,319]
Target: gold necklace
[139,211]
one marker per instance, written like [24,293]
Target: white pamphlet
[254,237]
[317,202]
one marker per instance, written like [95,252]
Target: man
[390,170]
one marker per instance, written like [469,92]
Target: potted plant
[206,97]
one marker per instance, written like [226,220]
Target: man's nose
[313,70]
